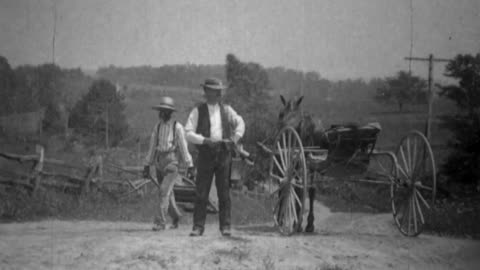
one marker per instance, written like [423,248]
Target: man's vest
[203,125]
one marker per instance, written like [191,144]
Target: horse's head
[291,113]
[309,127]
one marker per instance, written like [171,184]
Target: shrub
[463,163]
[100,114]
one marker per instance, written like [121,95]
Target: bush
[463,164]
[100,114]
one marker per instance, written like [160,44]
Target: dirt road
[341,241]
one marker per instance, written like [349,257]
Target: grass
[457,215]
[268,263]
[342,196]
[16,205]
[238,253]
[327,266]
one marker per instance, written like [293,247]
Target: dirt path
[341,241]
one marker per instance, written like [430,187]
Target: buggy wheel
[383,169]
[288,180]
[414,191]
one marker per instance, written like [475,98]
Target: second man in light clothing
[167,146]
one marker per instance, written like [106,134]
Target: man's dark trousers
[212,161]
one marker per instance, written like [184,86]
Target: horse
[312,133]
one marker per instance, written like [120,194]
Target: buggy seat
[346,141]
[349,145]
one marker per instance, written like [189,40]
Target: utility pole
[430,60]
[54,30]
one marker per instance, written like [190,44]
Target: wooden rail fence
[35,171]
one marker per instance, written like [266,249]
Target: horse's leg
[279,210]
[311,194]
[298,208]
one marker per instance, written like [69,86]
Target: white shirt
[215,124]
[164,141]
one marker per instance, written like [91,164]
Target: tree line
[71,100]
[29,88]
[400,89]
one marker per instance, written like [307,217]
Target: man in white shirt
[167,143]
[214,127]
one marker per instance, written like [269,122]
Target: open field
[139,100]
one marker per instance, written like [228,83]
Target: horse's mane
[311,130]
[308,125]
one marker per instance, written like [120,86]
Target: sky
[336,38]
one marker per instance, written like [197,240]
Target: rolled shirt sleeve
[238,123]
[191,128]
[183,145]
[151,150]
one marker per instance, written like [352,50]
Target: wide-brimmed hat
[165,103]
[213,83]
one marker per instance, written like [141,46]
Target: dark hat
[213,83]
[165,103]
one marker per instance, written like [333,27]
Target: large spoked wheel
[385,172]
[413,193]
[288,179]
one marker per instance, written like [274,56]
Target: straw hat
[165,103]
[213,83]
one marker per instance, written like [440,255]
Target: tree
[40,87]
[247,92]
[73,85]
[245,80]
[51,87]
[463,162]
[402,89]
[99,114]
[7,86]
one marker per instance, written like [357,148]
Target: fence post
[35,176]
[95,168]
